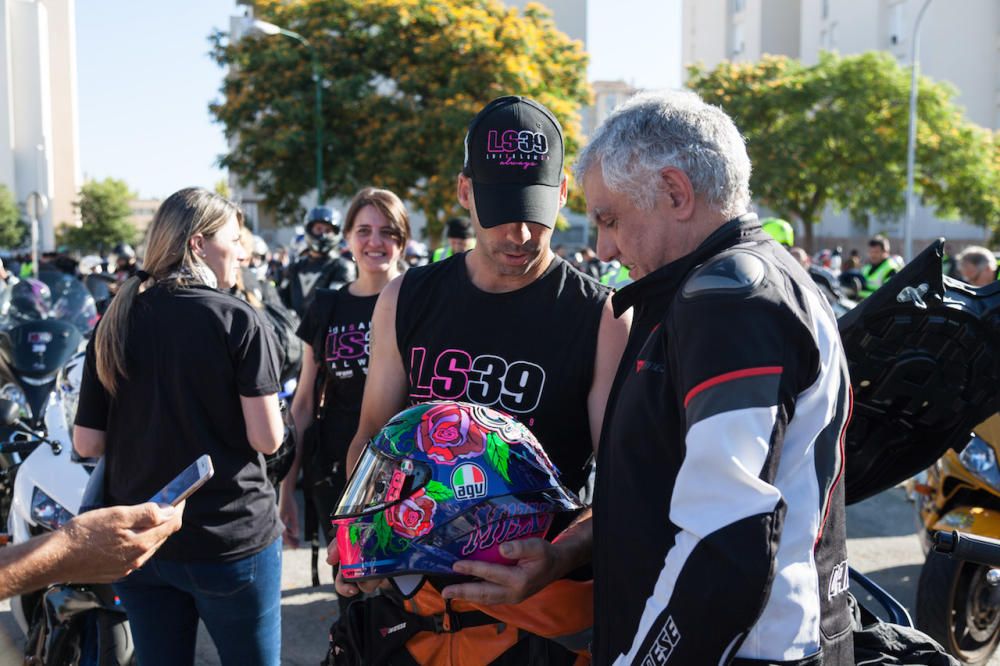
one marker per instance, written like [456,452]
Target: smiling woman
[336,333]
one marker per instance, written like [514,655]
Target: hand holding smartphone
[191,479]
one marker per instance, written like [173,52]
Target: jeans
[239,602]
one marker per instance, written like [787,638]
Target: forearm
[30,565]
[574,545]
[354,452]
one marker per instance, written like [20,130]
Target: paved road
[882,543]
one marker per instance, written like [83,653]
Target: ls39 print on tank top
[515,387]
[348,348]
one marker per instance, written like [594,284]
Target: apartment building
[39,146]
[959,44]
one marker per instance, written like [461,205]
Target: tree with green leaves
[13,228]
[104,215]
[401,81]
[835,134]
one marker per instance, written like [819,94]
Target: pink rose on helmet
[413,516]
[447,433]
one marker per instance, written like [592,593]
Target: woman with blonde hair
[179,368]
[335,331]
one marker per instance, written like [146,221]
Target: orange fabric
[563,608]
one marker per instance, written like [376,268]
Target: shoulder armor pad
[730,273]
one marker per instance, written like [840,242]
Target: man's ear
[464,190]
[676,188]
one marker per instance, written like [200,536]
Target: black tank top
[338,326]
[529,352]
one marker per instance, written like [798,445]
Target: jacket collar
[661,284]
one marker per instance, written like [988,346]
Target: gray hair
[652,131]
[980,257]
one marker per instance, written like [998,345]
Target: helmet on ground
[779,230]
[324,243]
[445,481]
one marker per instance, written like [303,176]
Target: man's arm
[96,547]
[540,562]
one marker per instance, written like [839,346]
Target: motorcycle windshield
[71,301]
[923,353]
[41,348]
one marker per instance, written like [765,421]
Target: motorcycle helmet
[444,481]
[260,248]
[324,243]
[91,263]
[30,299]
[779,230]
[124,251]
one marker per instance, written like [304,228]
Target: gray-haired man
[721,449]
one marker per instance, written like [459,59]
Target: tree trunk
[809,227]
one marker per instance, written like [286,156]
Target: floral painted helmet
[445,481]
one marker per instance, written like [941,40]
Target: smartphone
[185,483]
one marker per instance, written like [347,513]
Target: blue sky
[145,80]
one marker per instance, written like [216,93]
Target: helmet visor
[380,481]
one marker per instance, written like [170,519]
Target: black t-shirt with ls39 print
[338,327]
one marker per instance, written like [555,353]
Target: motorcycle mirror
[9,412]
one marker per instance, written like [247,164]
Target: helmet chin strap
[408,585]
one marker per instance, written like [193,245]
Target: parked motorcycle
[42,360]
[924,358]
[959,602]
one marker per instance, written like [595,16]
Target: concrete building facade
[961,47]
[39,147]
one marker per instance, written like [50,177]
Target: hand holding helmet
[443,482]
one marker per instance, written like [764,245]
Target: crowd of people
[711,393]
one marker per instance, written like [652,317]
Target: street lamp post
[271,29]
[911,143]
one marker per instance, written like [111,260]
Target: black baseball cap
[514,156]
[460,227]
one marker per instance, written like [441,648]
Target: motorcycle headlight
[47,512]
[14,393]
[980,459]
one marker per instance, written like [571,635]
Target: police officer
[320,266]
[460,236]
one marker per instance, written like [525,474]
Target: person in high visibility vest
[977,265]
[461,237]
[880,268]
[616,278]
[780,230]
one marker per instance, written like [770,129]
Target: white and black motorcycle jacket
[719,508]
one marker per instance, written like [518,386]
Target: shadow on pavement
[900,582]
[876,517]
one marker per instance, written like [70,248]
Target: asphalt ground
[882,543]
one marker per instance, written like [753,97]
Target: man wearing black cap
[460,237]
[509,325]
[320,266]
